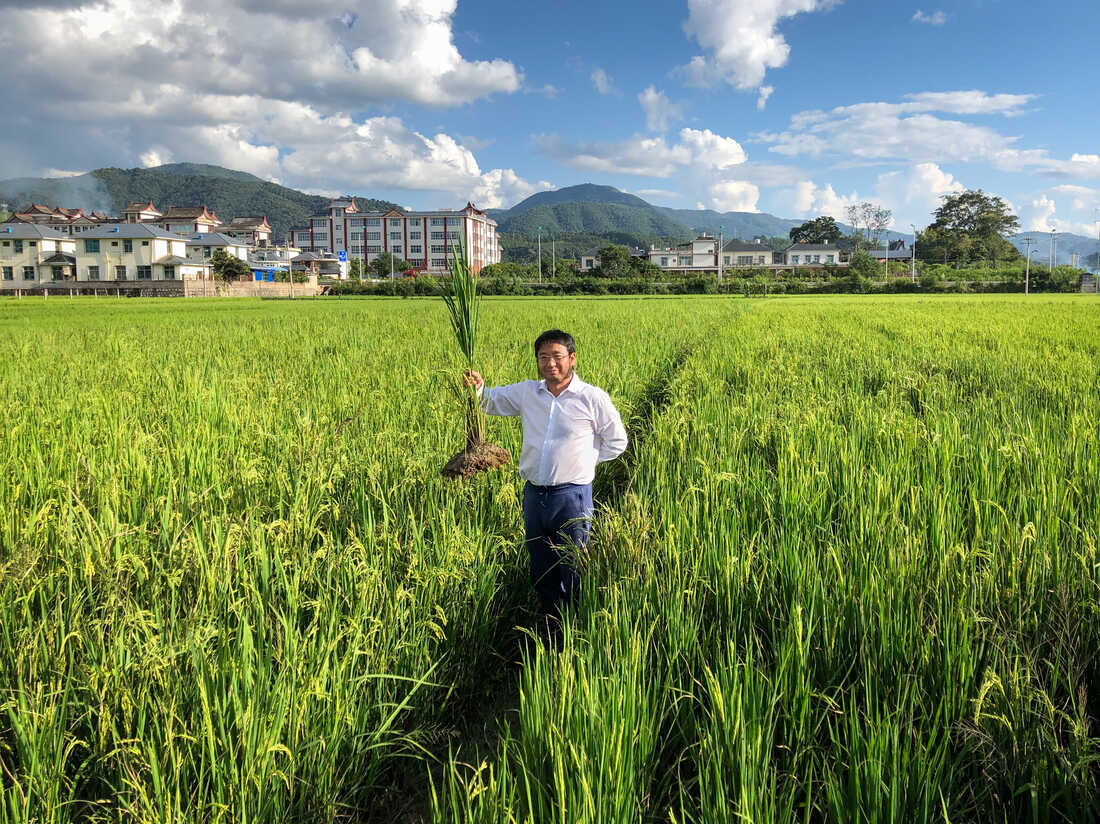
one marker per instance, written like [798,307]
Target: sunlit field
[847,571]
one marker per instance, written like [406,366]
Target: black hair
[555,336]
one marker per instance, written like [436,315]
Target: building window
[760,259]
[320,237]
[438,250]
[437,221]
[373,221]
[416,250]
[120,273]
[93,273]
[395,236]
[726,260]
[829,259]
[437,263]
[9,273]
[32,243]
[57,272]
[356,236]
[438,235]
[127,245]
[169,272]
[145,273]
[414,236]
[416,261]
[794,258]
[145,243]
[91,246]
[452,235]
[18,246]
[28,273]
[374,236]
[685,261]
[373,250]
[817,258]
[395,221]
[357,250]
[664,261]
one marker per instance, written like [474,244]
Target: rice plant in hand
[460,295]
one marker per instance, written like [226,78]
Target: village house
[32,254]
[133,252]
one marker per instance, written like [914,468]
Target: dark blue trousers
[557,521]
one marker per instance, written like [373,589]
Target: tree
[868,221]
[227,267]
[355,269]
[968,226]
[819,230]
[381,265]
[614,261]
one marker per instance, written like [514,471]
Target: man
[569,426]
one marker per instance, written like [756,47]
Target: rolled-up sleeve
[610,431]
[500,400]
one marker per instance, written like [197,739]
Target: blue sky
[794,107]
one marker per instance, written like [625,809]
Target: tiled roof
[741,246]
[190,213]
[130,230]
[213,239]
[21,231]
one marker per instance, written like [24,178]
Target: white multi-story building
[133,252]
[426,240]
[32,254]
[202,247]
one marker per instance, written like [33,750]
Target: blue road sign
[342,255]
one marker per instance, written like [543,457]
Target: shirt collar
[575,385]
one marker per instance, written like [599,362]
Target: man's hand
[474,379]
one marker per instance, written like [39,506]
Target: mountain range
[570,220]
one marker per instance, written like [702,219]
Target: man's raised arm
[496,400]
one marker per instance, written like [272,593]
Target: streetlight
[913,254]
[540,254]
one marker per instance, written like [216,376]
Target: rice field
[847,571]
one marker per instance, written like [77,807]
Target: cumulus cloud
[734,196]
[914,193]
[936,18]
[740,38]
[602,81]
[659,110]
[178,83]
[807,198]
[647,156]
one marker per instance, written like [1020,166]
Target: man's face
[555,362]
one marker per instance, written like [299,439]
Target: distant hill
[229,193]
[1065,246]
[583,193]
[594,218]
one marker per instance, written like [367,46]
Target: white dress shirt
[563,437]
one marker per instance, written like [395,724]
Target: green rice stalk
[459,293]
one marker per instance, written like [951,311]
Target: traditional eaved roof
[247,223]
[61,257]
[172,260]
[190,213]
[23,231]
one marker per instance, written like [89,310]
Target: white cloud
[913,131]
[913,194]
[659,110]
[762,98]
[740,38]
[936,18]
[662,193]
[807,198]
[1037,216]
[734,196]
[1040,215]
[647,156]
[1083,196]
[178,82]
[602,81]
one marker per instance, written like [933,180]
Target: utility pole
[913,255]
[289,269]
[1052,250]
[718,254]
[1027,266]
[553,256]
[540,254]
